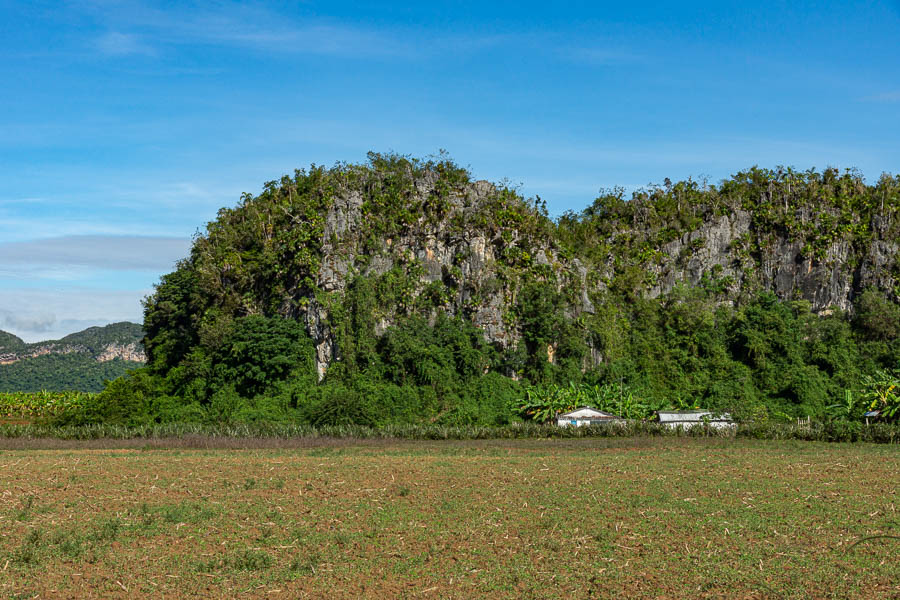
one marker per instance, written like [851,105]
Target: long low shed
[690,418]
[587,416]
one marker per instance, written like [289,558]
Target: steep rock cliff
[782,266]
[425,239]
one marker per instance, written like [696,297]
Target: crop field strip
[658,517]
[27,406]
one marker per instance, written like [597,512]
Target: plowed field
[645,517]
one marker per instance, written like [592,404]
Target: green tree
[260,352]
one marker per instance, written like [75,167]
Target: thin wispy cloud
[115,43]
[262,30]
[313,38]
[243,26]
[893,96]
[598,55]
[95,251]
[18,228]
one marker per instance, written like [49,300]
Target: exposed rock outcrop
[472,263]
[464,260]
[428,240]
[718,249]
[132,352]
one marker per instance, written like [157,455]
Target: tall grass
[824,432]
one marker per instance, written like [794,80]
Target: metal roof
[597,414]
[690,416]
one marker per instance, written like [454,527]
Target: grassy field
[651,517]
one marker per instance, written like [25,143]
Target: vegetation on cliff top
[287,279]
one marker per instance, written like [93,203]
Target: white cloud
[52,287]
[241,25]
[309,38]
[26,228]
[42,314]
[34,323]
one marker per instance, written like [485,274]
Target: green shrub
[128,400]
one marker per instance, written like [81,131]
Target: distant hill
[10,343]
[80,361]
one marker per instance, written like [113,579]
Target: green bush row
[768,360]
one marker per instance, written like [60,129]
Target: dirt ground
[640,517]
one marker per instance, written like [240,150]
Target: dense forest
[402,291]
[61,372]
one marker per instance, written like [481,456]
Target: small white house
[690,418]
[587,416]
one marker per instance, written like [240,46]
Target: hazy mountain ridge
[81,360]
[117,340]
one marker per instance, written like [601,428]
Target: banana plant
[542,402]
[883,392]
[845,409]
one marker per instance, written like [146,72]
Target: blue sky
[124,125]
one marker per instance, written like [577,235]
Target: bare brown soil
[654,517]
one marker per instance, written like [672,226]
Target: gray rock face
[317,325]
[469,259]
[700,252]
[133,352]
[465,260]
[781,267]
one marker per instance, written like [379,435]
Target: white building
[587,416]
[690,418]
